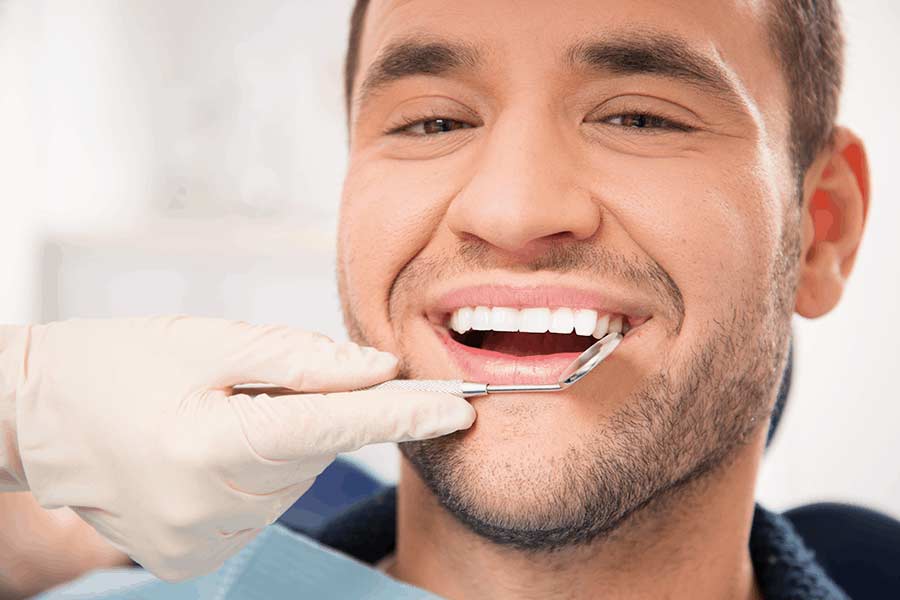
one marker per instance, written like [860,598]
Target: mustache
[587,258]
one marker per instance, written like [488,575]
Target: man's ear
[835,205]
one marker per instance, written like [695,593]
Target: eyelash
[407,122]
[661,123]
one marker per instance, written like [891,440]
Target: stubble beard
[682,424]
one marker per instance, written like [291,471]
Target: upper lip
[528,293]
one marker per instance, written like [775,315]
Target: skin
[41,548]
[543,179]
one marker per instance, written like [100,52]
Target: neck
[693,543]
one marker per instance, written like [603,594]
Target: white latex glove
[131,424]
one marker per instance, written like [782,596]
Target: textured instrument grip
[449,386]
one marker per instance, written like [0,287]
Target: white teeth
[602,327]
[534,320]
[461,320]
[615,324]
[504,319]
[585,321]
[562,321]
[481,318]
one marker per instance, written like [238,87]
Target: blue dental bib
[278,564]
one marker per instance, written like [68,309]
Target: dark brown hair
[351,63]
[808,42]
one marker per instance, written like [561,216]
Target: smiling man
[525,177]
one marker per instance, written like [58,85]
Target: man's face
[627,161]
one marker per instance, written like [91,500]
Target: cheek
[389,212]
[711,225]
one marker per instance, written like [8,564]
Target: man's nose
[528,188]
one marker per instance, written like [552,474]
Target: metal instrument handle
[517,388]
[457,387]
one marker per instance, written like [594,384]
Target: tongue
[529,344]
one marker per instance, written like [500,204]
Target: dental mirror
[580,367]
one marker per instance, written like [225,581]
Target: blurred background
[163,156]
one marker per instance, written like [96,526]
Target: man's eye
[645,121]
[432,126]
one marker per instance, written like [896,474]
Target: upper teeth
[535,320]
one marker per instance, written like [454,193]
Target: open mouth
[523,344]
[532,331]
[509,334]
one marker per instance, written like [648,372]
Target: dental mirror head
[580,367]
[589,359]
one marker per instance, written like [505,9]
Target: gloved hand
[132,424]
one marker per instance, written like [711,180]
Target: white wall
[19,221]
[164,156]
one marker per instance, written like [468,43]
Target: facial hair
[680,424]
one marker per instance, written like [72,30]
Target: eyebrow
[414,56]
[653,53]
[637,53]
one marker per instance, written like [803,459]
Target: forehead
[726,23]
[526,36]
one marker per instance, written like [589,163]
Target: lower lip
[486,366]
